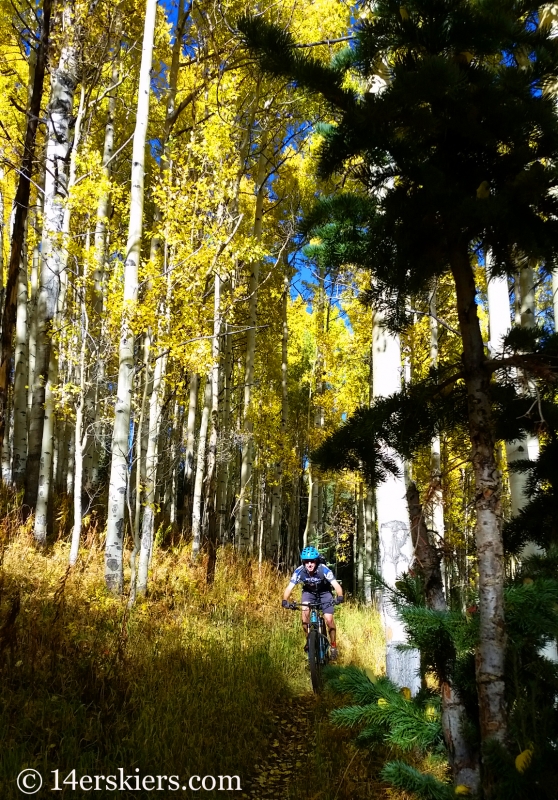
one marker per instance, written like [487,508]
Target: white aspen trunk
[242,532]
[47,452]
[19,463]
[276,507]
[47,445]
[369,544]
[80,433]
[211,481]
[59,143]
[200,470]
[119,460]
[396,548]
[33,299]
[311,531]
[21,354]
[174,464]
[360,557]
[7,441]
[436,504]
[152,461]
[141,452]
[190,444]
[254,508]
[500,324]
[80,441]
[223,467]
[311,528]
[69,456]
[95,391]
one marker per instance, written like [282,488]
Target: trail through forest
[197,681]
[288,754]
[308,758]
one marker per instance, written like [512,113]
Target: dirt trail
[306,758]
[280,775]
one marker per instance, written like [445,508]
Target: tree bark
[243,520]
[396,548]
[190,442]
[53,249]
[120,447]
[19,462]
[21,207]
[490,552]
[200,471]
[463,759]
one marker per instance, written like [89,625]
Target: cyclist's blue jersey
[320,581]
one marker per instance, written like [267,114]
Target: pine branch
[275,50]
[409,779]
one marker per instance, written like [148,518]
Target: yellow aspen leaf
[462,789]
[405,692]
[382,701]
[483,190]
[404,13]
[370,675]
[523,760]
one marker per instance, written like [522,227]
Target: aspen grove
[212,340]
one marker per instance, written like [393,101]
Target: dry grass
[189,682]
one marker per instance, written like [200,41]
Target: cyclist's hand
[339,599]
[286,604]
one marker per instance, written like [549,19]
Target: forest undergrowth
[195,680]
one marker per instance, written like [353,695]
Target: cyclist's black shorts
[325,598]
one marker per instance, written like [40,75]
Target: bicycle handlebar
[295,606]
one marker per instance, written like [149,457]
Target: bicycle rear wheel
[314,660]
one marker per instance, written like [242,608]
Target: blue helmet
[309,554]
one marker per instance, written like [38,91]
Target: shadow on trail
[86,687]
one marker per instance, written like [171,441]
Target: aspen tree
[21,355]
[200,470]
[499,325]
[91,466]
[19,462]
[157,383]
[21,207]
[211,479]
[242,531]
[151,459]
[119,459]
[190,442]
[278,468]
[396,547]
[436,501]
[311,531]
[53,258]
[59,258]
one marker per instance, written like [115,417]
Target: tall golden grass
[188,682]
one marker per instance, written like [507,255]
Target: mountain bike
[318,642]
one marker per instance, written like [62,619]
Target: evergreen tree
[456,155]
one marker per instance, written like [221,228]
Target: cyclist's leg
[305,619]
[330,622]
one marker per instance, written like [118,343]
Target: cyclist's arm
[291,585]
[338,588]
[288,591]
[329,576]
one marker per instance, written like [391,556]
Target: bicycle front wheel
[314,660]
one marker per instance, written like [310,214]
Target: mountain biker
[317,582]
